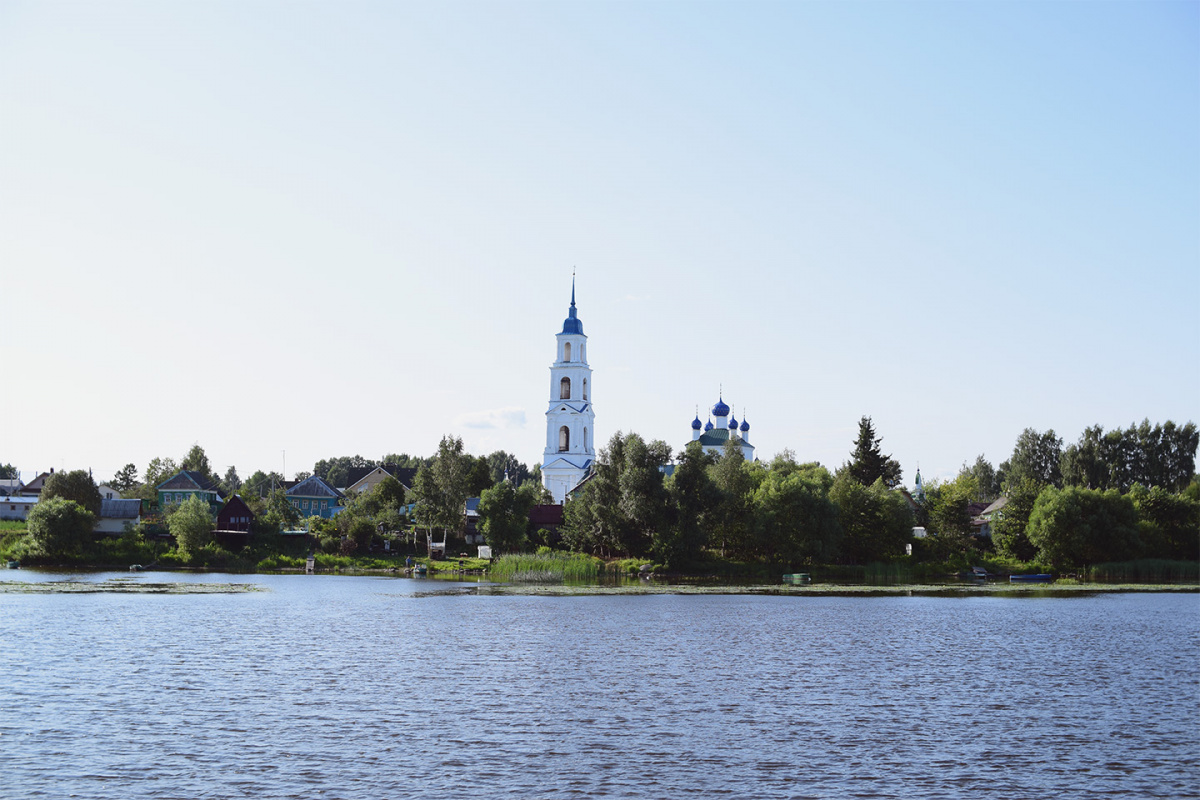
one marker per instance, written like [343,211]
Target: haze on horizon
[331,229]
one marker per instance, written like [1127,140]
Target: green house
[186,483]
[313,497]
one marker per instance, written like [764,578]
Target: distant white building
[570,421]
[713,437]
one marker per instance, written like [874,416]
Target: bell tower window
[567,351]
[564,439]
[564,389]
[585,397]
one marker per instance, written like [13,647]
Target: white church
[570,421]
[712,437]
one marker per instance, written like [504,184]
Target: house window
[567,351]
[564,439]
[564,389]
[304,504]
[324,504]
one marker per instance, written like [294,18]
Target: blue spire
[572,323]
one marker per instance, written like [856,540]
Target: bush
[59,527]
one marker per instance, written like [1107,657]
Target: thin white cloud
[511,417]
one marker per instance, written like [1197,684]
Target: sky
[289,231]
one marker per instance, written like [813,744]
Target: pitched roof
[405,475]
[120,509]
[313,486]
[10,486]
[236,503]
[192,481]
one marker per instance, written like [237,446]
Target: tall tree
[1169,524]
[76,485]
[950,515]
[876,522]
[158,471]
[1035,456]
[196,460]
[868,463]
[9,472]
[231,481]
[795,521]
[592,522]
[987,483]
[733,515]
[126,478]
[441,489]
[692,496]
[1009,528]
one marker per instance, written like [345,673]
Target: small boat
[420,569]
[14,564]
[1038,578]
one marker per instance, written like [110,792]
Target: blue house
[313,497]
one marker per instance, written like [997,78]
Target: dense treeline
[783,513]
[1111,496]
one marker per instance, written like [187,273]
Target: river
[367,687]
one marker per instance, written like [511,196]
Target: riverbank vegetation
[1122,505]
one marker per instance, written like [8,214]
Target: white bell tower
[570,421]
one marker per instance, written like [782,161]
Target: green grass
[545,568]
[1146,570]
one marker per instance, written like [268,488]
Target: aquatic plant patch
[124,586]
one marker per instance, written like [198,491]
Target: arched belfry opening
[564,389]
[564,439]
[567,351]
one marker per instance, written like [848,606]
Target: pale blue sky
[338,228]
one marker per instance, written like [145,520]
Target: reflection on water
[380,687]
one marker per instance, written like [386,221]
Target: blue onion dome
[745,426]
[733,423]
[709,426]
[696,423]
[720,409]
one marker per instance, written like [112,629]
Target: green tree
[795,521]
[440,490]
[733,514]
[504,516]
[876,522]
[503,465]
[158,471]
[9,472]
[1169,524]
[76,485]
[197,461]
[479,476]
[231,481]
[191,524]
[126,479]
[987,483]
[692,497]
[1035,456]
[950,516]
[1080,527]
[59,526]
[1008,527]
[868,463]
[261,484]
[592,522]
